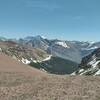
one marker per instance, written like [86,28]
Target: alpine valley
[54,56]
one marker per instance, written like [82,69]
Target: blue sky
[63,19]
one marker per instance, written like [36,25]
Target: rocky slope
[22,53]
[90,64]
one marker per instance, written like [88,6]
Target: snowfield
[63,44]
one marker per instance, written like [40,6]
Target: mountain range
[70,50]
[53,56]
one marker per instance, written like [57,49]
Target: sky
[62,19]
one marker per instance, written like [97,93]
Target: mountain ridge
[38,50]
[90,65]
[61,48]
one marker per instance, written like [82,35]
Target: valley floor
[18,86]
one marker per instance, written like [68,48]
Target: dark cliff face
[90,64]
[87,59]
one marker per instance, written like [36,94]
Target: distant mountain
[53,56]
[70,50]
[37,42]
[37,58]
[65,50]
[90,64]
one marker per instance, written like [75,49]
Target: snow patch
[48,58]
[73,73]
[95,47]
[95,65]
[0,50]
[43,70]
[81,70]
[34,61]
[63,44]
[91,48]
[85,72]
[43,37]
[92,62]
[98,72]
[25,61]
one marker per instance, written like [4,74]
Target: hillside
[90,64]
[22,53]
[22,82]
[8,64]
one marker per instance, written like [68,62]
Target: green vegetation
[35,65]
[57,65]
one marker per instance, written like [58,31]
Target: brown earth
[18,51]
[21,82]
[8,64]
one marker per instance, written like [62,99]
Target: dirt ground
[17,86]
[21,82]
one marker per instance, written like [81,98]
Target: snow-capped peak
[63,44]
[43,37]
